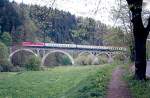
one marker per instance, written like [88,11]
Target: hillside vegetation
[44,24]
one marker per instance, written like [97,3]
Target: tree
[9,18]
[33,63]
[3,54]
[4,63]
[6,39]
[122,17]
[115,38]
[140,36]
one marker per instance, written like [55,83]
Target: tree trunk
[140,37]
[140,58]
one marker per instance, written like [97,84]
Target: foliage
[4,63]
[115,38]
[9,17]
[57,59]
[91,60]
[33,63]
[94,86]
[120,57]
[103,60]
[122,17]
[65,60]
[51,23]
[6,38]
[42,24]
[18,69]
[84,60]
[139,89]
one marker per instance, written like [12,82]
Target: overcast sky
[85,8]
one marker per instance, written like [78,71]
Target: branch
[148,26]
[119,11]
[97,7]
[135,4]
[129,2]
[53,3]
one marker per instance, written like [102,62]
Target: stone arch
[119,54]
[58,51]
[108,55]
[124,56]
[16,51]
[80,54]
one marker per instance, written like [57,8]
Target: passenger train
[70,46]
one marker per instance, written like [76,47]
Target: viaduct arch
[57,51]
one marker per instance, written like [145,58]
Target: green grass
[139,89]
[59,82]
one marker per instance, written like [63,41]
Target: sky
[85,8]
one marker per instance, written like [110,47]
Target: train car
[73,46]
[55,45]
[32,44]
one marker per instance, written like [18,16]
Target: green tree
[6,38]
[115,38]
[9,17]
[33,63]
[4,63]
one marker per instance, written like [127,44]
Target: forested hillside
[42,24]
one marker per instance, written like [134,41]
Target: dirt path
[117,88]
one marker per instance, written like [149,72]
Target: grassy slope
[60,82]
[139,89]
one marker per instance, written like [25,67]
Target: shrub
[91,60]
[33,63]
[57,59]
[84,60]
[17,69]
[119,58]
[96,61]
[103,60]
[5,65]
[65,60]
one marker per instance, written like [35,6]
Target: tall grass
[58,82]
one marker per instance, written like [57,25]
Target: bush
[84,60]
[89,60]
[57,59]
[119,58]
[65,60]
[103,60]
[6,68]
[17,69]
[5,65]
[96,61]
[33,63]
